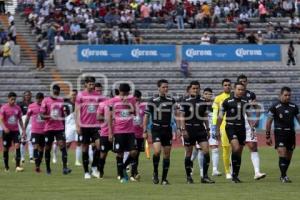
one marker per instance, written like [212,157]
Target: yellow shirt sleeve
[215,106]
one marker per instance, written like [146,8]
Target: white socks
[255,161]
[30,149]
[200,162]
[22,148]
[54,154]
[78,154]
[126,154]
[194,154]
[215,159]
[91,153]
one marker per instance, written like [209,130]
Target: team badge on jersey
[12,120]
[91,109]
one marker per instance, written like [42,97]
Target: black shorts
[105,144]
[236,132]
[38,139]
[195,134]
[162,135]
[285,139]
[89,135]
[13,136]
[57,135]
[140,144]
[124,142]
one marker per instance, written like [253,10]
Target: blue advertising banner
[126,53]
[232,52]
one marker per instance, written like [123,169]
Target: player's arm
[220,117]
[148,112]
[206,123]
[22,127]
[5,129]
[43,111]
[77,118]
[109,122]
[269,125]
[179,120]
[257,109]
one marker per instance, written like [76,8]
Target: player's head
[89,83]
[187,90]
[98,87]
[27,96]
[138,95]
[124,89]
[12,98]
[39,97]
[239,90]
[114,92]
[73,95]
[194,88]
[163,86]
[243,79]
[207,94]
[55,90]
[285,94]
[226,83]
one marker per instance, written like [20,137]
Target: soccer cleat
[228,176]
[101,175]
[95,173]
[216,173]
[132,179]
[119,177]
[189,180]
[236,180]
[19,169]
[6,170]
[155,179]
[165,182]
[48,172]
[207,180]
[37,170]
[285,180]
[259,176]
[54,160]
[137,177]
[87,176]
[124,180]
[31,161]
[192,170]
[66,171]
[78,164]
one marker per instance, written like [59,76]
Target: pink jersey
[11,116]
[123,114]
[138,121]
[103,110]
[88,105]
[37,123]
[55,109]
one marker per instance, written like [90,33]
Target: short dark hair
[11,94]
[194,83]
[188,88]
[283,89]
[55,88]
[237,84]
[39,95]
[114,93]
[27,91]
[98,84]
[124,87]
[161,81]
[208,90]
[226,80]
[89,79]
[74,90]
[137,94]
[242,76]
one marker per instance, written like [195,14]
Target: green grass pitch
[30,186]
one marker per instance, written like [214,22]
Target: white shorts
[213,142]
[249,137]
[71,135]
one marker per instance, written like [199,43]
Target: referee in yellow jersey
[226,83]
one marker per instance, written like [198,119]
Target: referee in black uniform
[161,109]
[195,129]
[235,108]
[283,113]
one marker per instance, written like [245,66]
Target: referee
[283,113]
[161,109]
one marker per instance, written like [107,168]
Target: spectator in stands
[262,11]
[288,7]
[7,51]
[270,6]
[10,18]
[41,53]
[137,36]
[58,40]
[130,37]
[145,15]
[205,40]
[213,38]
[244,5]
[206,15]
[89,22]
[112,18]
[123,37]
[270,31]
[184,68]
[230,19]
[107,37]
[75,31]
[50,37]
[156,8]
[199,20]
[217,15]
[252,39]
[291,54]
[115,35]
[93,36]
[3,35]
[12,32]
[278,30]
[240,31]
[180,16]
[168,18]
[244,19]
[2,7]
[298,7]
[278,11]
[260,38]
[294,24]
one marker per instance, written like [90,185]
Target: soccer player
[195,128]
[52,112]
[235,108]
[98,88]
[121,129]
[226,83]
[138,130]
[213,141]
[70,127]
[87,126]
[10,116]
[160,109]
[283,113]
[37,130]
[251,138]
